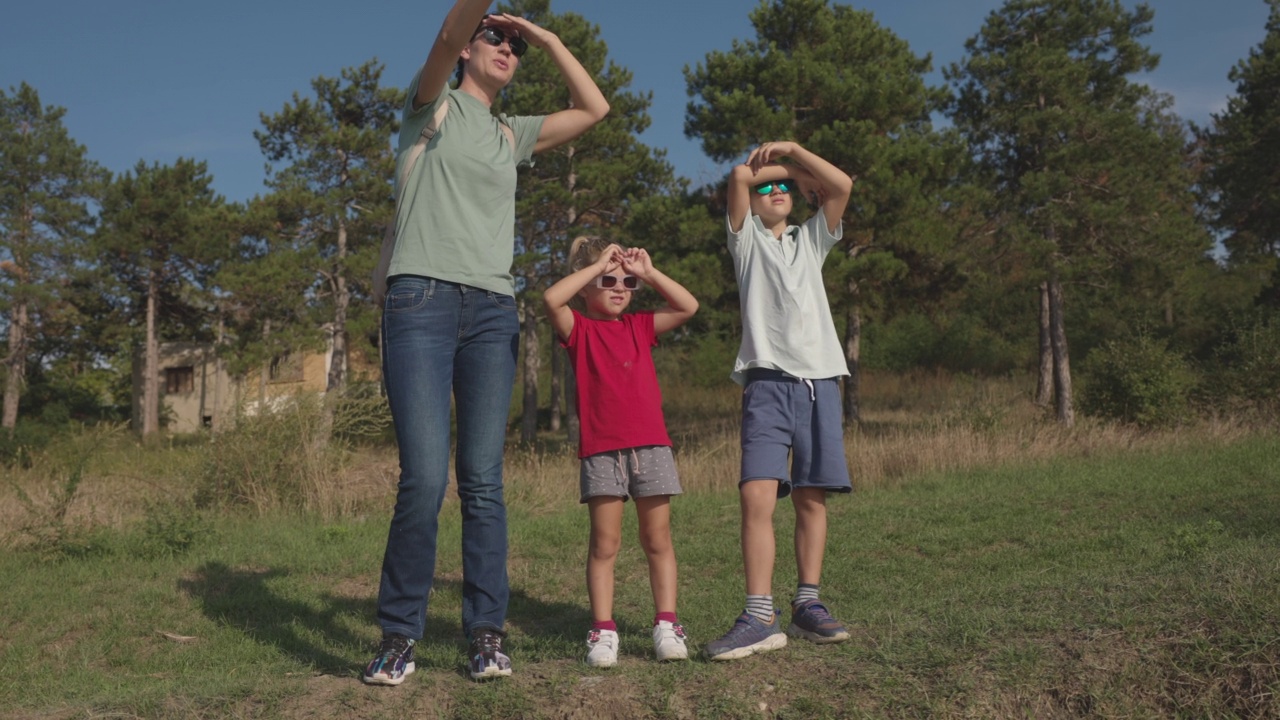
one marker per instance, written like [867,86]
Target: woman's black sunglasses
[495,37]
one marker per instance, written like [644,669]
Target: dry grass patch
[914,424]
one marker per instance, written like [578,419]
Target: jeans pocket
[405,295]
[506,302]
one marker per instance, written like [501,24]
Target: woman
[450,324]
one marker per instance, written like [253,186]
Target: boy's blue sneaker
[749,635]
[392,663]
[811,621]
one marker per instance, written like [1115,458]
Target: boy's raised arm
[832,185]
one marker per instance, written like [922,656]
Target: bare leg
[811,533]
[759,498]
[606,537]
[654,514]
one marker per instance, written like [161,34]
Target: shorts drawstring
[619,472]
[813,397]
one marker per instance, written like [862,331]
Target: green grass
[1131,584]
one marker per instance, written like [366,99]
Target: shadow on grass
[309,631]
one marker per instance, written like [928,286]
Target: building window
[286,368]
[179,380]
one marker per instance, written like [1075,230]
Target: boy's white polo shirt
[786,319]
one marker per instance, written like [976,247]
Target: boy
[789,363]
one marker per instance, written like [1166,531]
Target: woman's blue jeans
[441,338]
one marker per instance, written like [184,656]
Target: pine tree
[46,181]
[262,296]
[330,170]
[1242,157]
[1085,167]
[163,234]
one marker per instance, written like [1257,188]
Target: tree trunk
[341,300]
[557,359]
[151,366]
[218,390]
[1044,382]
[17,365]
[1061,357]
[853,359]
[266,368]
[532,359]
[571,425]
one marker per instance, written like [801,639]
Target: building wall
[195,391]
[211,396]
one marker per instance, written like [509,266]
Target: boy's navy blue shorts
[783,416]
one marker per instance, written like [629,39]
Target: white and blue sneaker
[748,636]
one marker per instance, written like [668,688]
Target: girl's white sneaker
[604,648]
[668,641]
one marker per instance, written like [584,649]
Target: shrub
[901,344]
[959,343]
[47,525]
[1245,373]
[361,415]
[706,362]
[287,457]
[171,529]
[1137,380]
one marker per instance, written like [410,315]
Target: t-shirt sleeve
[526,129]
[575,335]
[823,238]
[736,238]
[412,121]
[642,328]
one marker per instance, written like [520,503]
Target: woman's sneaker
[392,663]
[749,635]
[487,660]
[811,620]
[668,641]
[604,648]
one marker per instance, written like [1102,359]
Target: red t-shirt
[619,401]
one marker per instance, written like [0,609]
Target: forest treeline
[1042,206]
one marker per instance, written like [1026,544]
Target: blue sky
[154,81]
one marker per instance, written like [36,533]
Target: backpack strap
[379,284]
[511,136]
[428,131]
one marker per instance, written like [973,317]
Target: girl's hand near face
[636,261]
[611,258]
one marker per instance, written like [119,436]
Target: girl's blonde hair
[585,250]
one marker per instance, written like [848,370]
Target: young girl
[624,447]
